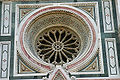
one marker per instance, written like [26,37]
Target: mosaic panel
[6,19]
[5,53]
[112,56]
[107,16]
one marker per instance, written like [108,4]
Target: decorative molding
[86,6]
[6,19]
[4,62]
[24,12]
[112,58]
[26,9]
[107,16]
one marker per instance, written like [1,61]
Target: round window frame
[42,66]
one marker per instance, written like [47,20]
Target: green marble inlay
[103,36]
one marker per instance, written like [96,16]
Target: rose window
[57,45]
[57,35]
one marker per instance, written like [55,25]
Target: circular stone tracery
[57,45]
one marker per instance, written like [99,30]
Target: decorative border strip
[6,19]
[107,16]
[112,59]
[4,60]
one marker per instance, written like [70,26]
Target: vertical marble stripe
[6,19]
[112,59]
[4,62]
[107,16]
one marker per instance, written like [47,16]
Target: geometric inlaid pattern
[59,74]
[6,19]
[90,10]
[23,68]
[107,16]
[24,12]
[25,9]
[4,53]
[93,65]
[112,56]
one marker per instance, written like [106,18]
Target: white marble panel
[4,62]
[112,58]
[6,19]
[107,16]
